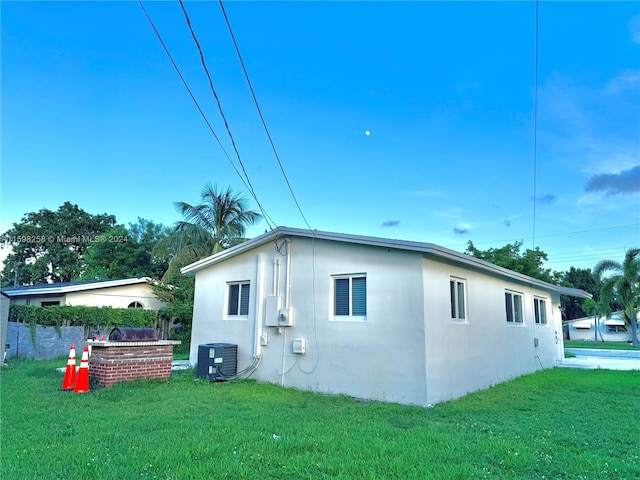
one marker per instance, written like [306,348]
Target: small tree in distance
[530,263]
[207,228]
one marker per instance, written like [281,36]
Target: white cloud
[627,80]
[591,127]
[427,193]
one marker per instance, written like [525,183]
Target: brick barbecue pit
[113,361]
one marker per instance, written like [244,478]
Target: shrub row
[89,317]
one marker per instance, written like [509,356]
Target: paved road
[606,359]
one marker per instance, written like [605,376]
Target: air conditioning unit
[217,361]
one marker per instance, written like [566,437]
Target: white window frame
[238,307]
[455,283]
[350,316]
[514,295]
[540,311]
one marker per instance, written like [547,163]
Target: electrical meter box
[217,361]
[272,310]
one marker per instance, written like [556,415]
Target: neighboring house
[122,293]
[4,318]
[611,329]
[374,318]
[49,343]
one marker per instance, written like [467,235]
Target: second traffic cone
[82,382]
[69,380]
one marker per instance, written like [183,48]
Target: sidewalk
[606,359]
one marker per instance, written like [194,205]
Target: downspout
[257,349]
[276,277]
[287,295]
[287,292]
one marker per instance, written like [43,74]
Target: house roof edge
[422,247]
[68,287]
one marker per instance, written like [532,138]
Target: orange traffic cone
[69,380]
[82,382]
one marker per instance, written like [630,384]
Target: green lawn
[599,345]
[555,424]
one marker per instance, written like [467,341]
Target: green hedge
[89,317]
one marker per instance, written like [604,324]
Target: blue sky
[94,113]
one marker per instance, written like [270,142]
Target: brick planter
[113,362]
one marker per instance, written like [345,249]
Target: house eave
[54,289]
[429,249]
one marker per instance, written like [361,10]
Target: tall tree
[126,253]
[217,223]
[530,263]
[49,246]
[584,279]
[623,286]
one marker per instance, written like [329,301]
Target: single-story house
[612,329]
[49,343]
[373,318]
[121,293]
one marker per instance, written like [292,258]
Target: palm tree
[597,309]
[215,224]
[623,287]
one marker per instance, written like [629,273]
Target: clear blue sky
[94,113]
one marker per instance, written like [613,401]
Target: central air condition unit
[217,361]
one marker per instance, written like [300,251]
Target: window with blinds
[350,296]
[513,305]
[457,295]
[540,310]
[238,300]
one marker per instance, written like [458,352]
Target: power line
[184,82]
[195,101]
[255,100]
[600,250]
[224,118]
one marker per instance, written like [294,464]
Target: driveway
[605,359]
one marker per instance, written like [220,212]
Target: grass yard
[599,345]
[555,424]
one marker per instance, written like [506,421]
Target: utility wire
[535,133]
[184,82]
[286,179]
[264,124]
[224,118]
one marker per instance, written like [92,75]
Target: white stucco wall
[484,349]
[407,350]
[380,358]
[37,300]
[116,297]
